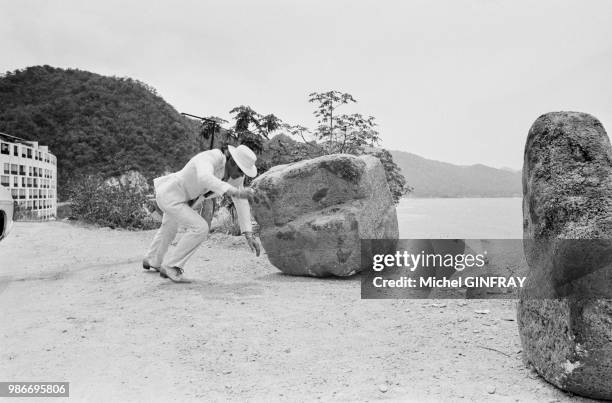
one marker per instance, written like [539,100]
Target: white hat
[244,158]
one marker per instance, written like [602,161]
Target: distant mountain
[431,178]
[94,123]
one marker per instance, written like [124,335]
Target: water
[478,218]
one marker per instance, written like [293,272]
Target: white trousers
[171,200]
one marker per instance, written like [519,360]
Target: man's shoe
[147,266]
[173,273]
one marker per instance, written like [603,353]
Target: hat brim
[250,171]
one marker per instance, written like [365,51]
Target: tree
[342,133]
[251,128]
[268,124]
[297,130]
[327,103]
[356,132]
[244,117]
[209,128]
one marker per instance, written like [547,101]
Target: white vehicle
[6,212]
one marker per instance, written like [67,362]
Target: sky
[459,81]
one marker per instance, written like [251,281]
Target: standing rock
[565,311]
[313,213]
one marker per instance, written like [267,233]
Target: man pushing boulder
[209,174]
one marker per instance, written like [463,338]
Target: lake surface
[465,218]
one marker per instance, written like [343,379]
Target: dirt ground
[76,306]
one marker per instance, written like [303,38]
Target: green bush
[95,201]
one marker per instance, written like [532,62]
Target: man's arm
[243,209]
[244,214]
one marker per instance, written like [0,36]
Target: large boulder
[565,311]
[313,213]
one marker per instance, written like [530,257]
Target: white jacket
[201,176]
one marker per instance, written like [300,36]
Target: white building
[30,172]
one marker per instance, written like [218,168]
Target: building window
[35,182]
[16,151]
[22,193]
[6,168]
[22,170]
[4,180]
[29,182]
[15,181]
[14,193]
[23,182]
[14,169]
[29,151]
[4,148]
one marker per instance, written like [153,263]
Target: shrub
[397,182]
[116,205]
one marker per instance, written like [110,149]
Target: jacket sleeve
[242,206]
[206,176]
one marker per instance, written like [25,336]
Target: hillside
[431,178]
[95,124]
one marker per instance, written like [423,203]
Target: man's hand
[253,243]
[246,193]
